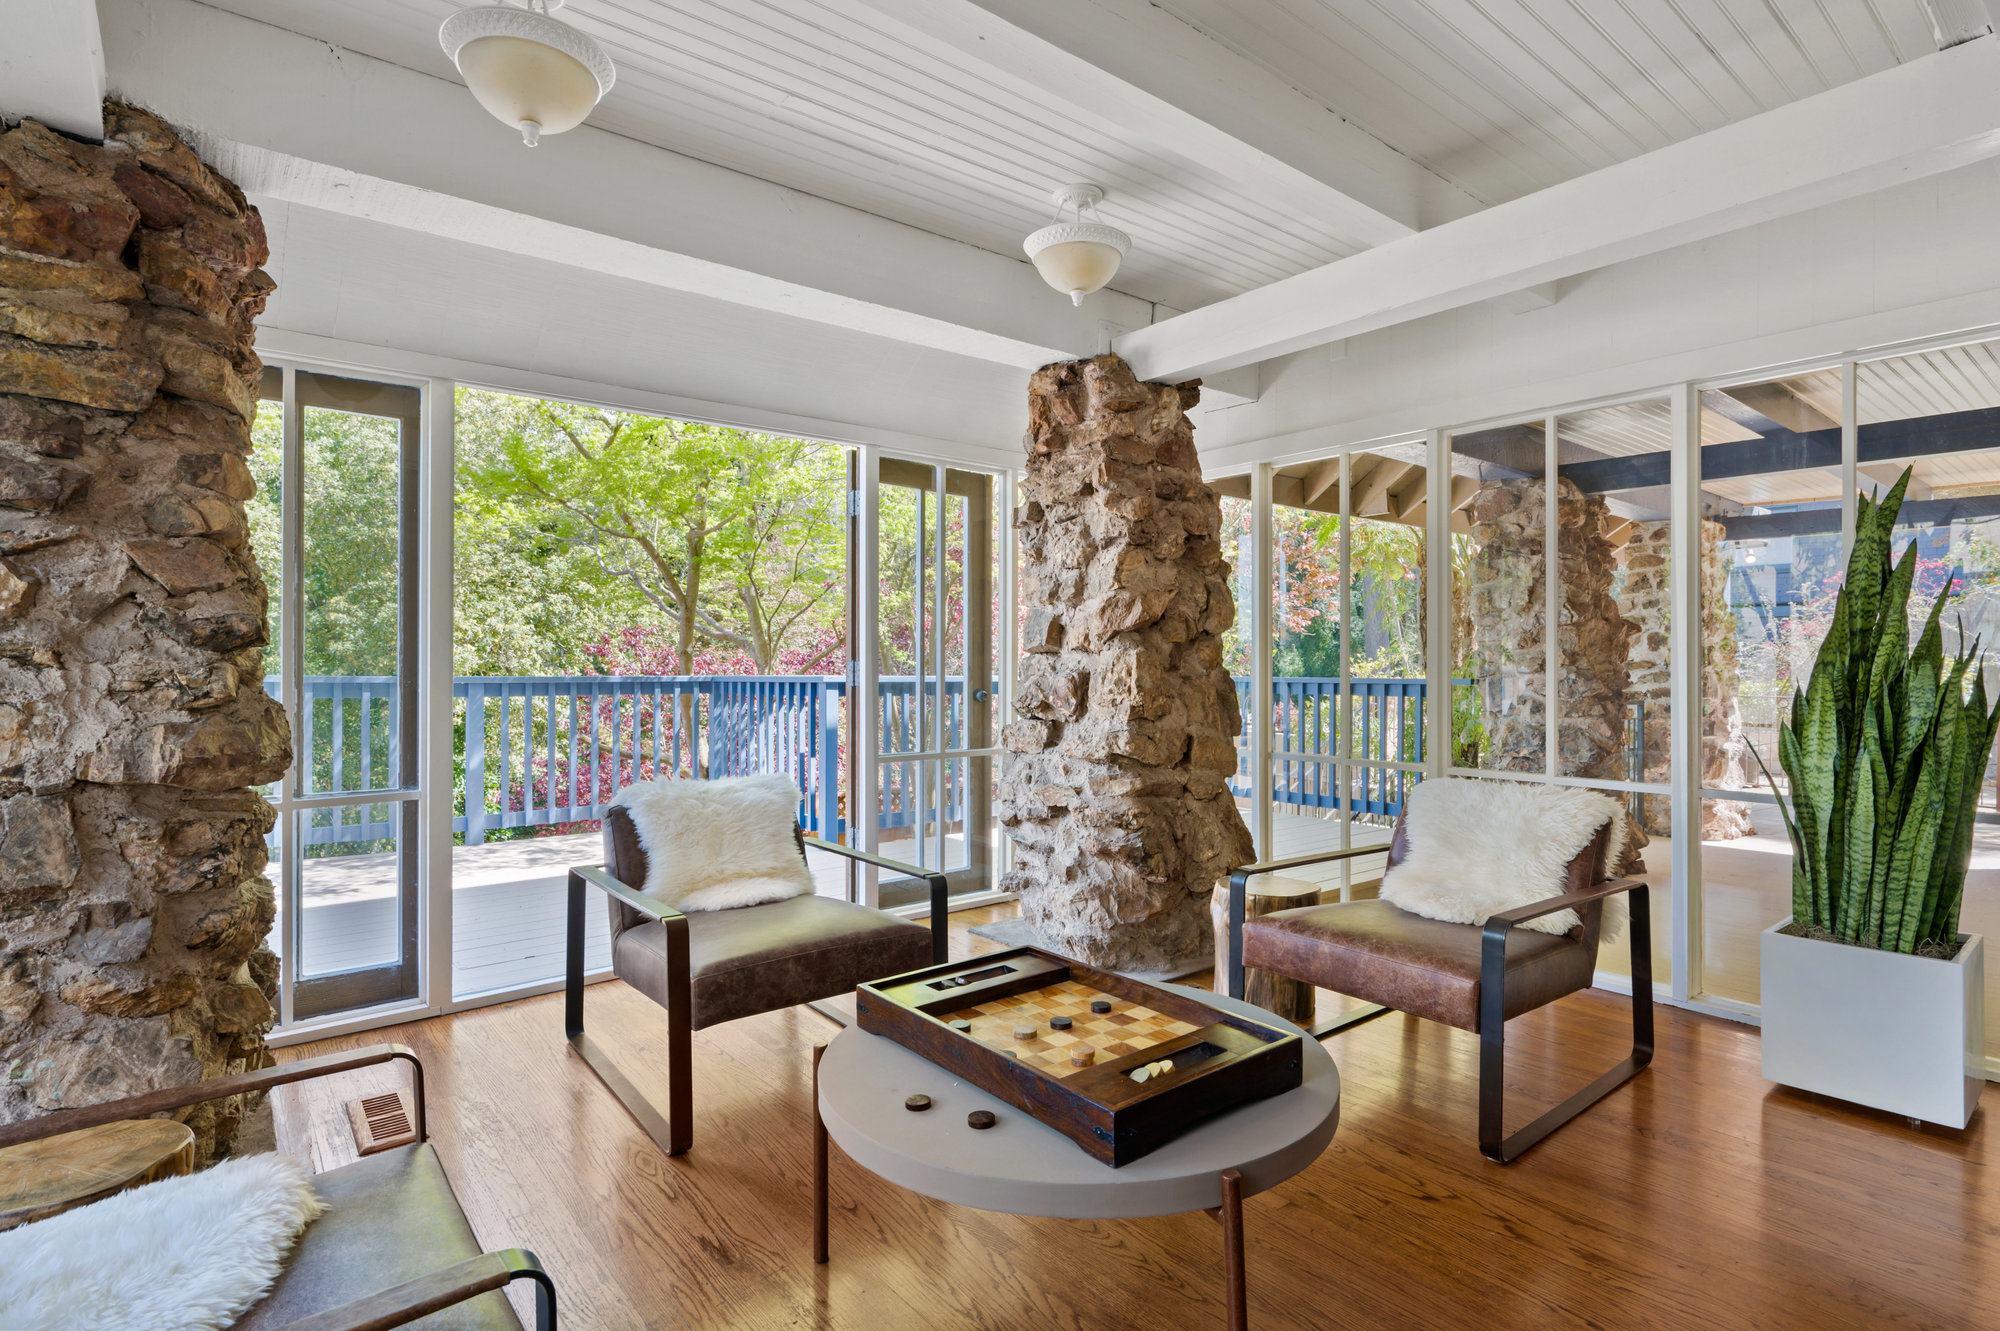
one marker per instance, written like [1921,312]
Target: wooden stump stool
[44,1178]
[1280,994]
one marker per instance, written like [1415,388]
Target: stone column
[133,719]
[1593,637]
[1113,788]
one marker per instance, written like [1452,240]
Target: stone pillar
[1593,638]
[1645,599]
[133,718]
[1114,785]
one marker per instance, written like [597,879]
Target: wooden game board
[1126,1029]
[1220,1058]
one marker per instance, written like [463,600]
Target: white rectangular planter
[1884,1029]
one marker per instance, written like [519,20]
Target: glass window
[1771,561]
[1499,599]
[1937,413]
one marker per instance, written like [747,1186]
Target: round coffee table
[1022,1167]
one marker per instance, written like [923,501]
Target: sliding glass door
[930,575]
[335,529]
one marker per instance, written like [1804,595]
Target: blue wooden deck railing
[541,750]
[1387,726]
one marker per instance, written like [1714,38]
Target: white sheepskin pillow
[182,1254]
[1479,847]
[718,844]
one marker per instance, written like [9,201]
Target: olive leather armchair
[708,967]
[393,1246]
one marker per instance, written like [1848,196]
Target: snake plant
[1886,752]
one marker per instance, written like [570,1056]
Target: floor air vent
[382,1121]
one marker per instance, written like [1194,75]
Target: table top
[40,1177]
[1024,1167]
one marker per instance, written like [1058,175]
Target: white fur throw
[182,1254]
[1479,847]
[718,844]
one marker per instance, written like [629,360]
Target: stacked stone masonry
[1594,640]
[1645,597]
[133,719]
[1114,788]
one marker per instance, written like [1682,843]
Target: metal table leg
[1235,1294]
[819,1165]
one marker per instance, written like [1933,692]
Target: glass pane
[1771,566]
[356,466]
[1498,600]
[350,888]
[1931,412]
[266,522]
[1384,613]
[1746,888]
[1657,868]
[1239,552]
[1614,547]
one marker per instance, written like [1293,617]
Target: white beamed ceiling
[1505,97]
[830,100]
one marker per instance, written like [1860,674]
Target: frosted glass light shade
[528,70]
[1077,257]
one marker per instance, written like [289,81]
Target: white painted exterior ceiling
[1499,97]
[1505,97]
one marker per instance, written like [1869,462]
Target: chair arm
[639,901]
[1249,871]
[1239,884]
[1534,910]
[180,1097]
[1493,948]
[426,1294]
[940,889]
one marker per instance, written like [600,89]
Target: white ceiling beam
[1956,21]
[292,118]
[1131,65]
[1905,123]
[52,65]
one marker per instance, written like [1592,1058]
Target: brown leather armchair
[708,967]
[1470,976]
[392,1246]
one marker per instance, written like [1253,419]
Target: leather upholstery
[755,958]
[390,1217]
[761,958]
[1379,953]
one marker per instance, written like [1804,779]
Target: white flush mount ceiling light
[1076,256]
[530,71]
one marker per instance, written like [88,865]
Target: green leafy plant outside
[1886,751]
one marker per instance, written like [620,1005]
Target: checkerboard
[1126,1029]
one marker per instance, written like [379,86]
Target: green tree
[729,537]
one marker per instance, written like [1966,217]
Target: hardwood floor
[1700,1196]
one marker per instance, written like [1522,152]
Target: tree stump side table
[44,1178]
[1267,894]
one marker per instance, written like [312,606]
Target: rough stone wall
[133,718]
[1113,787]
[1645,598]
[1593,638]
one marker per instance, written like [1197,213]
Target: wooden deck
[507,904]
[1698,1197]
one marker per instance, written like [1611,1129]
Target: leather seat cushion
[1430,968]
[762,958]
[390,1217]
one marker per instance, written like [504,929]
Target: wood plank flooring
[1700,1196]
